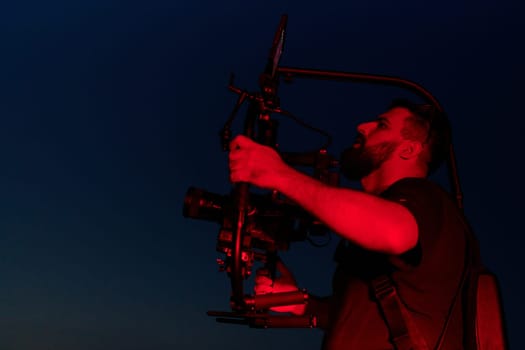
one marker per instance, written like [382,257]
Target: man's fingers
[262,277]
[240,141]
[262,289]
[262,280]
[239,176]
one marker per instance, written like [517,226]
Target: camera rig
[255,227]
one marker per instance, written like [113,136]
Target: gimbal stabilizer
[256,227]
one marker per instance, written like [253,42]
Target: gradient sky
[111,110]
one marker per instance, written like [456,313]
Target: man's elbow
[403,238]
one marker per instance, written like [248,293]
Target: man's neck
[381,179]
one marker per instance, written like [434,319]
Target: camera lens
[204,205]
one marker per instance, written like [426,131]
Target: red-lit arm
[367,220]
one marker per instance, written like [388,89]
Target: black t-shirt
[426,277]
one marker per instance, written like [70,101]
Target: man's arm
[367,220]
[316,306]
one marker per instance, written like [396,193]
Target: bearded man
[401,225]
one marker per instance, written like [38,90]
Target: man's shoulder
[414,186]
[423,197]
[414,182]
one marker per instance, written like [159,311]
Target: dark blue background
[111,109]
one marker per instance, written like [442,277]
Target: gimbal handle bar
[256,319]
[265,301]
[289,73]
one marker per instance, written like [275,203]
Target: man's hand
[254,163]
[285,283]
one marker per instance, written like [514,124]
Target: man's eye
[381,125]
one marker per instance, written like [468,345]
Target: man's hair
[430,126]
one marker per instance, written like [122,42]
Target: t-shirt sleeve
[424,201]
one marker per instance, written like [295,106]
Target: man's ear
[409,149]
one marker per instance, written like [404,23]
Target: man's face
[375,143]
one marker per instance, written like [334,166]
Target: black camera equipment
[254,227]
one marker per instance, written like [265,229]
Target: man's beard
[358,162]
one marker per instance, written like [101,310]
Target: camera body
[271,224]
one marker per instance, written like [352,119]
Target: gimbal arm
[288,73]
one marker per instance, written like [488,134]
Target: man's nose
[363,128]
